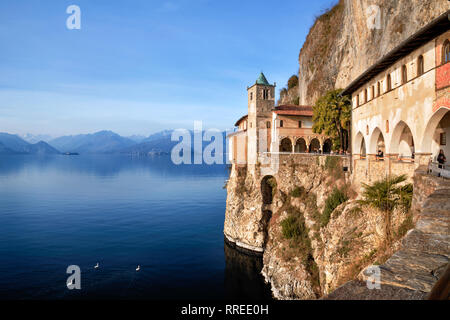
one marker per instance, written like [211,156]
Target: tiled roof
[294,110]
[240,120]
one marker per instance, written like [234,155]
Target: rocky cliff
[316,237]
[308,251]
[353,35]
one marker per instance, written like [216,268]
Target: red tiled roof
[240,120]
[294,110]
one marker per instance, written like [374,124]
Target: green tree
[332,117]
[386,195]
[293,81]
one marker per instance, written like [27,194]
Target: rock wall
[353,35]
[325,254]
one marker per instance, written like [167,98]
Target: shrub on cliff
[293,81]
[298,192]
[386,195]
[333,201]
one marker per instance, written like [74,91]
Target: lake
[121,212]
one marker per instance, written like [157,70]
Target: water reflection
[243,279]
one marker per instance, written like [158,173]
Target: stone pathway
[412,271]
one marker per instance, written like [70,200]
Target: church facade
[269,129]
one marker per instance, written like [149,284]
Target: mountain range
[13,144]
[106,142]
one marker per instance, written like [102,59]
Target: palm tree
[386,195]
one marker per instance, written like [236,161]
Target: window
[281,123]
[251,95]
[442,139]
[299,124]
[378,89]
[268,124]
[373,92]
[387,126]
[250,125]
[388,83]
[265,94]
[357,100]
[446,52]
[367,129]
[404,74]
[420,68]
[365,95]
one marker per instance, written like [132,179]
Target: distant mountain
[137,138]
[161,143]
[5,150]
[99,142]
[42,148]
[35,138]
[13,144]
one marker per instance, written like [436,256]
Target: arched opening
[420,67]
[268,187]
[286,145]
[360,145]
[327,146]
[437,134]
[404,74]
[314,146]
[402,141]
[300,146]
[388,83]
[446,52]
[377,144]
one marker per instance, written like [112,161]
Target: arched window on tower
[373,93]
[378,89]
[404,74]
[365,95]
[388,83]
[420,68]
[446,52]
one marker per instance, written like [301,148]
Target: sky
[142,66]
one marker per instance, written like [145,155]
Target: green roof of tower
[262,80]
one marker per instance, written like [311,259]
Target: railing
[307,154]
[440,170]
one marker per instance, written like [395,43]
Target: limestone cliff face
[324,255]
[353,35]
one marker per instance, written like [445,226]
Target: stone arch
[327,144]
[286,145]
[268,185]
[314,145]
[359,146]
[300,145]
[377,142]
[428,142]
[402,141]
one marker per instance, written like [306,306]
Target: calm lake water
[121,212]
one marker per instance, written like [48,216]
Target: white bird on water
[138,268]
[97,266]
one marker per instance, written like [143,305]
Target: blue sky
[141,66]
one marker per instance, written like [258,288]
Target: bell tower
[261,101]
